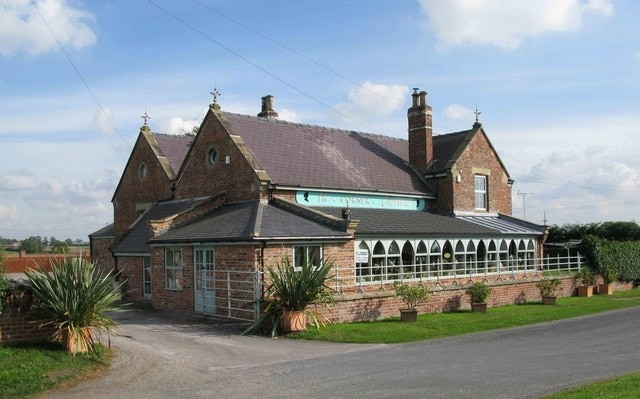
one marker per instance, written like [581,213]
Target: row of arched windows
[389,260]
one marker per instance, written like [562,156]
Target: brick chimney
[420,132]
[267,108]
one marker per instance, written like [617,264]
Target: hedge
[613,260]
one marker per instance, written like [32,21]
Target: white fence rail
[237,294]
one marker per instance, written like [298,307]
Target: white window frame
[301,254]
[480,191]
[146,282]
[173,264]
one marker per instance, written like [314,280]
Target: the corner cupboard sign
[317,198]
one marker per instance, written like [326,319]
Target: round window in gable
[142,170]
[213,156]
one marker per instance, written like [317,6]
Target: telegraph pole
[524,202]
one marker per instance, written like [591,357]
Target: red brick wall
[163,298]
[477,159]
[100,255]
[34,261]
[135,190]
[237,179]
[20,323]
[130,268]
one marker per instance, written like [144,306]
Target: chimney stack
[420,132]
[267,108]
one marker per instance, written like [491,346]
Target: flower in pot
[289,291]
[76,296]
[548,288]
[412,296]
[478,292]
[585,278]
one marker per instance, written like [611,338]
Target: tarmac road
[174,355]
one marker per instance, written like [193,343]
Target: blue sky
[556,81]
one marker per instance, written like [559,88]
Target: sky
[556,82]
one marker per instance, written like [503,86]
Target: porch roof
[255,221]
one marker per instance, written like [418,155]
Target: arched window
[513,255]
[492,257]
[481,257]
[447,259]
[378,260]
[459,258]
[363,269]
[393,262]
[408,261]
[470,258]
[422,259]
[504,255]
[435,259]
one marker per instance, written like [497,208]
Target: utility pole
[524,202]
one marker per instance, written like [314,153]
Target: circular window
[213,156]
[142,170]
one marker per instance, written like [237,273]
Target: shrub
[613,260]
[478,292]
[411,295]
[548,286]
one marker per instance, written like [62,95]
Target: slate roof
[135,240]
[505,224]
[253,221]
[445,149]
[174,148]
[302,155]
[106,231]
[399,222]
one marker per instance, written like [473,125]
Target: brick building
[198,218]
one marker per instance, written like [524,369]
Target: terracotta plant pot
[408,315]
[605,289]
[293,321]
[479,307]
[77,341]
[548,300]
[585,291]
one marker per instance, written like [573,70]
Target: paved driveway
[171,355]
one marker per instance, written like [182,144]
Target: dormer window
[480,190]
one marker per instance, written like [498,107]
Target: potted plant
[412,296]
[609,277]
[585,277]
[76,296]
[478,292]
[548,288]
[289,291]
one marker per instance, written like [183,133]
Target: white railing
[237,294]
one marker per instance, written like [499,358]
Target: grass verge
[627,386]
[29,369]
[439,325]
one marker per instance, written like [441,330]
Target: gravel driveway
[173,355]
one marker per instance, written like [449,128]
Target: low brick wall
[20,322]
[445,296]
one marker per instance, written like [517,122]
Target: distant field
[81,249]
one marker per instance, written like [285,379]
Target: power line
[86,85]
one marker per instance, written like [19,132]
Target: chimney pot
[267,107]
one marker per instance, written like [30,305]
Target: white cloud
[22,28]
[103,121]
[458,112]
[288,115]
[506,23]
[177,125]
[20,179]
[373,99]
[8,213]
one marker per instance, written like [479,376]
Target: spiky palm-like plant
[76,295]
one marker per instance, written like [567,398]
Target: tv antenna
[524,202]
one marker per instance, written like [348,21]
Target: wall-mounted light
[227,160]
[458,178]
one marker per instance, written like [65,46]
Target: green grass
[29,369]
[439,325]
[624,387]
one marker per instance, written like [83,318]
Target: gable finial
[477,122]
[215,93]
[146,118]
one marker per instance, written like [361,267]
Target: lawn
[625,387]
[438,325]
[29,369]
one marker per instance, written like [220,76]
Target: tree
[32,245]
[60,248]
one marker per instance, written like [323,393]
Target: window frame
[173,266]
[146,276]
[297,260]
[483,192]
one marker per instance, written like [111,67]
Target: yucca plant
[76,295]
[293,288]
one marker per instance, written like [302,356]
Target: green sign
[344,200]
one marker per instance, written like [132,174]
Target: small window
[212,157]
[311,254]
[146,276]
[173,268]
[142,170]
[480,189]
